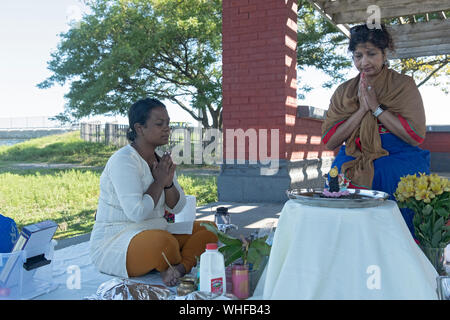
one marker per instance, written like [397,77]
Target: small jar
[186,286]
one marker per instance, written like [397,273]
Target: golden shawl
[399,94]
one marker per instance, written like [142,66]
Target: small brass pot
[186,286]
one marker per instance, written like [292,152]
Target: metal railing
[38,122]
[108,133]
[116,134]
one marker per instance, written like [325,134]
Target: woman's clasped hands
[164,170]
[367,97]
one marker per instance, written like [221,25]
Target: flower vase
[436,257]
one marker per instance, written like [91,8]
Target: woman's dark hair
[139,113]
[379,37]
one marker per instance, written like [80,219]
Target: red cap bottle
[211,246]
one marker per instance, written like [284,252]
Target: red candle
[240,281]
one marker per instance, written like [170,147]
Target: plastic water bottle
[212,270]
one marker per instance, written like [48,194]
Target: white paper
[189,210]
[184,227]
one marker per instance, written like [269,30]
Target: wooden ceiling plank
[408,29]
[319,7]
[423,43]
[421,51]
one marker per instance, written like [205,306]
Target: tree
[430,70]
[128,49]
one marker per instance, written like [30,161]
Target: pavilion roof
[418,27]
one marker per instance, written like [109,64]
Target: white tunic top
[124,210]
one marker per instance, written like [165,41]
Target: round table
[335,253]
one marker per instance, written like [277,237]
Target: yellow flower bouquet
[429,197]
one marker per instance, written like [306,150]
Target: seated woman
[137,186]
[380,116]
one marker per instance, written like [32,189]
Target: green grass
[63,148]
[68,197]
[204,188]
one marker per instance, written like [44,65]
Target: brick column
[259,93]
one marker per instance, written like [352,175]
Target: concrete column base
[309,173]
[245,183]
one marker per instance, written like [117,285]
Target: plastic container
[212,271]
[11,272]
[21,284]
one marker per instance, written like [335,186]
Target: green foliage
[250,251]
[125,50]
[431,70]
[430,220]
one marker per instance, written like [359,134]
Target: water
[10,142]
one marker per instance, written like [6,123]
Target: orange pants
[145,249]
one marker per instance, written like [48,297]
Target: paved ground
[43,165]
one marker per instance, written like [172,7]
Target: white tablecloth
[328,253]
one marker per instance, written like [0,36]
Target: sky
[29,33]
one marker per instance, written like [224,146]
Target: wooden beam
[420,51]
[418,39]
[422,43]
[422,38]
[318,5]
[355,11]
[421,30]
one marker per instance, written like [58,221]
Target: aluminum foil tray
[360,198]
[125,289]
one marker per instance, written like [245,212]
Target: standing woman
[137,186]
[379,115]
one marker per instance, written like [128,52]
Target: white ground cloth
[66,264]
